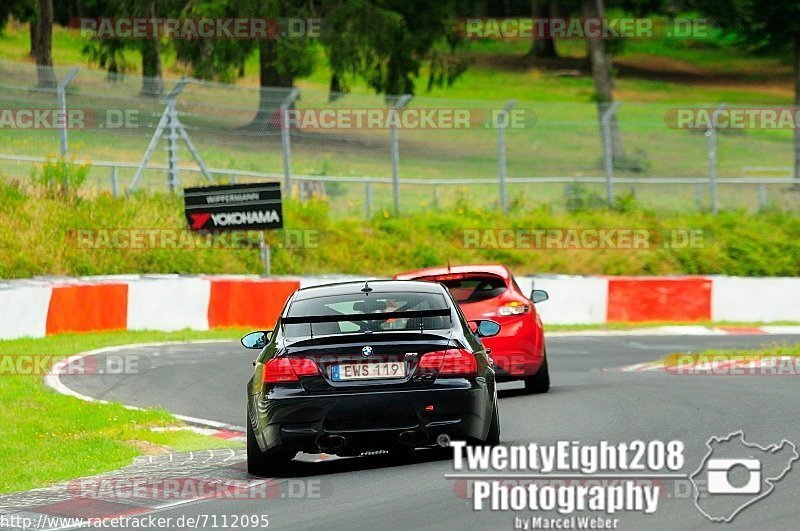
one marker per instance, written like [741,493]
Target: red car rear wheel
[539,382]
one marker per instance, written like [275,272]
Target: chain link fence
[371,153]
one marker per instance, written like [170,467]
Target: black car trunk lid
[367,361]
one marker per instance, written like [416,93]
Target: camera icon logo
[735,474]
[720,472]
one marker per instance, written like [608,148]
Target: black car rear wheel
[263,464]
[539,382]
[493,438]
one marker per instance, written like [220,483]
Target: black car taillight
[281,370]
[450,362]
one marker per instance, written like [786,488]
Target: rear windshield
[358,304]
[475,288]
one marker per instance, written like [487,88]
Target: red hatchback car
[490,292]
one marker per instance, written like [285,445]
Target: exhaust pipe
[413,437]
[331,443]
[337,441]
[407,437]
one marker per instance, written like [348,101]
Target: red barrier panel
[632,299]
[248,303]
[87,308]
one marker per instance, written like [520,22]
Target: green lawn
[46,437]
[560,137]
[517,79]
[38,236]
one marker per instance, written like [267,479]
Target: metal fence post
[699,195]
[762,197]
[286,140]
[114,182]
[61,94]
[608,152]
[168,120]
[712,159]
[393,119]
[172,146]
[502,122]
[368,198]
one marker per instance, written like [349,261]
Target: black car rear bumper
[290,418]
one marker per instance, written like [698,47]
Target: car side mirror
[257,340]
[484,328]
[539,295]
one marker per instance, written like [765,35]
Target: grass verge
[46,437]
[41,235]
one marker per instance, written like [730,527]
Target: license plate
[368,371]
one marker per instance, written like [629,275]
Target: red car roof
[493,269]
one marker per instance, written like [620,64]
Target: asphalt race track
[585,404]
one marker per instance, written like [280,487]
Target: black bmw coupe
[357,366]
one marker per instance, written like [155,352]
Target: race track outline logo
[738,474]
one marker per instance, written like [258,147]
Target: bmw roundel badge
[366,351]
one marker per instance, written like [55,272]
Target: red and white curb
[53,305]
[683,330]
[226,435]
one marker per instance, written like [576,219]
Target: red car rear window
[474,288]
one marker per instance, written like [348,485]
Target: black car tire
[539,382]
[263,464]
[493,437]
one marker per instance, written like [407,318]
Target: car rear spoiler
[355,317]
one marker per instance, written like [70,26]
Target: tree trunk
[542,48]
[335,89]
[152,81]
[44,42]
[32,25]
[275,86]
[602,76]
[797,104]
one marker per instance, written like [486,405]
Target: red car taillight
[281,370]
[514,308]
[449,362]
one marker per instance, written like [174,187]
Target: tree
[541,47]
[152,73]
[602,74]
[5,13]
[281,60]
[43,44]
[764,27]
[24,11]
[109,53]
[387,42]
